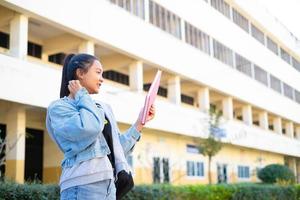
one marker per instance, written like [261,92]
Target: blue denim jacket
[76,127]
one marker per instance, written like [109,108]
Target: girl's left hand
[149,117]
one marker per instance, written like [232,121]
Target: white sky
[286,11]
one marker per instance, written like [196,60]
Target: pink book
[152,93]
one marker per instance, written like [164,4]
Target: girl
[86,131]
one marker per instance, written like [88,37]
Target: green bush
[265,192]
[250,191]
[297,188]
[276,173]
[14,191]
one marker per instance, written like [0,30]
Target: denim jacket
[76,127]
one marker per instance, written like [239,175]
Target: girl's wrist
[138,125]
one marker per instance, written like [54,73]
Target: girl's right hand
[74,86]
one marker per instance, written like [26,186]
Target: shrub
[264,192]
[276,173]
[33,191]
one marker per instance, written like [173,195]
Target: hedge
[249,191]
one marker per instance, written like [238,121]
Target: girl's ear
[79,74]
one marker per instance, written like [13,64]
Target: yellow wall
[153,143]
[165,145]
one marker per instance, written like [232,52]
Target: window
[272,46]
[164,19]
[195,168]
[222,173]
[240,20]
[223,53]
[166,170]
[243,172]
[296,64]
[260,75]
[57,58]
[34,50]
[156,170]
[243,65]
[285,56]
[3,149]
[257,34]
[187,99]
[275,83]
[197,38]
[288,91]
[135,7]
[116,76]
[161,91]
[221,6]
[192,149]
[161,170]
[4,40]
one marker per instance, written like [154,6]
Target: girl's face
[92,79]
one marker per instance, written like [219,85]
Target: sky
[286,11]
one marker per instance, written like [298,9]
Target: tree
[5,148]
[211,145]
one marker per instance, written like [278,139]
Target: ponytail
[71,63]
[64,90]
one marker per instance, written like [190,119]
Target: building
[229,54]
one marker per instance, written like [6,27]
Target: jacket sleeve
[129,138]
[80,123]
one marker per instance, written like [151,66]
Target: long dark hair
[71,63]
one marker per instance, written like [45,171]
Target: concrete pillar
[15,150]
[18,36]
[87,47]
[136,76]
[298,170]
[182,29]
[263,120]
[277,125]
[203,99]
[174,90]
[292,165]
[45,57]
[247,114]
[298,132]
[289,129]
[146,10]
[227,108]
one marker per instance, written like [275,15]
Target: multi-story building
[227,54]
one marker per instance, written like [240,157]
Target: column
[203,99]
[45,57]
[19,36]
[136,76]
[298,171]
[263,120]
[15,150]
[146,10]
[277,125]
[289,129]
[298,132]
[227,105]
[174,90]
[87,47]
[247,114]
[293,165]
[182,29]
